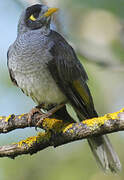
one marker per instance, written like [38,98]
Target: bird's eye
[32,18]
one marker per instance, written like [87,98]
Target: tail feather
[104,153]
[106,157]
[101,147]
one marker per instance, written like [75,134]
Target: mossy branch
[56,132]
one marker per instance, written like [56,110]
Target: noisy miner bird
[45,67]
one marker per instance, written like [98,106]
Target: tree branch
[56,132]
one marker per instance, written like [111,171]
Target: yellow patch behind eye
[32,18]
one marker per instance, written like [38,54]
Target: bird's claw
[43,116]
[31,113]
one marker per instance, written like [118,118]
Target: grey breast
[28,58]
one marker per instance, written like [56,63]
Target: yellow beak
[50,12]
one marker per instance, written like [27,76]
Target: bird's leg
[34,110]
[49,113]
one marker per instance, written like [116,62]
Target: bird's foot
[48,114]
[32,112]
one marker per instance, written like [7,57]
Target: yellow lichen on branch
[9,117]
[29,141]
[42,136]
[57,132]
[66,128]
[101,120]
[55,125]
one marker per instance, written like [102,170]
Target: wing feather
[70,76]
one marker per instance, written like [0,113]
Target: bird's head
[36,17]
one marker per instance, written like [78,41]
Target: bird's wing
[70,76]
[12,77]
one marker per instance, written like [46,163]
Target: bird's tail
[104,153]
[102,149]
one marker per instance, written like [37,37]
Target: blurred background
[96,30]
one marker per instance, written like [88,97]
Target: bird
[46,68]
